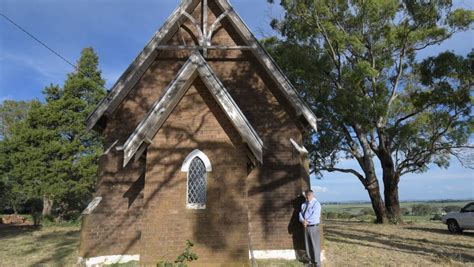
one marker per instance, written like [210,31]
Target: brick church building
[203,142]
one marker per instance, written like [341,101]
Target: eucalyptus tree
[356,63]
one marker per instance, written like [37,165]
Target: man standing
[310,218]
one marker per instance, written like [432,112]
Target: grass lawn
[348,243]
[45,246]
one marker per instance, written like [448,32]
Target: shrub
[422,209]
[331,215]
[344,215]
[451,208]
[405,211]
[367,211]
[181,260]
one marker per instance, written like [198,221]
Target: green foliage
[185,257]
[422,209]
[48,153]
[367,211]
[12,112]
[355,64]
[405,211]
[331,215]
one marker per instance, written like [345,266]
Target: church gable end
[196,66]
[203,35]
[202,109]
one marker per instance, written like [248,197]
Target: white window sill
[196,206]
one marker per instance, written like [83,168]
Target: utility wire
[50,49]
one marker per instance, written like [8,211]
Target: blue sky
[118,30]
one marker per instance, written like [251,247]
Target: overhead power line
[50,49]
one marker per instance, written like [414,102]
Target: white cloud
[48,67]
[320,189]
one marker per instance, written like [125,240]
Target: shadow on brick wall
[266,195]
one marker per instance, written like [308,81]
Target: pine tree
[51,154]
[12,114]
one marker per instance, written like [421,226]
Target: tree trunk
[391,179]
[47,206]
[392,202]
[377,203]
[371,183]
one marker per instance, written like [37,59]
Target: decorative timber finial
[205,32]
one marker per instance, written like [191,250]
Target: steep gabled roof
[270,65]
[194,67]
[143,61]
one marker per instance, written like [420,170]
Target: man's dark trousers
[312,242]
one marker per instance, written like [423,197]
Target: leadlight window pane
[197,183]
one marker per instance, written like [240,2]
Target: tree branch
[331,48]
[393,94]
[420,158]
[351,171]
[351,143]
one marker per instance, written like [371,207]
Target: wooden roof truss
[194,67]
[143,61]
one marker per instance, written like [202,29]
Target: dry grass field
[348,243]
[419,244]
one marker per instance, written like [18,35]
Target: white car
[462,220]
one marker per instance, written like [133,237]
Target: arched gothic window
[197,165]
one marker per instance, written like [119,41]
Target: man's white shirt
[311,212]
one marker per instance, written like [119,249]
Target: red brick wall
[259,202]
[114,226]
[219,231]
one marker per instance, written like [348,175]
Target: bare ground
[346,243]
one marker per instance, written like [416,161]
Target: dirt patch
[14,219]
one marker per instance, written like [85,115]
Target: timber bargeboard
[139,66]
[194,67]
[143,61]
